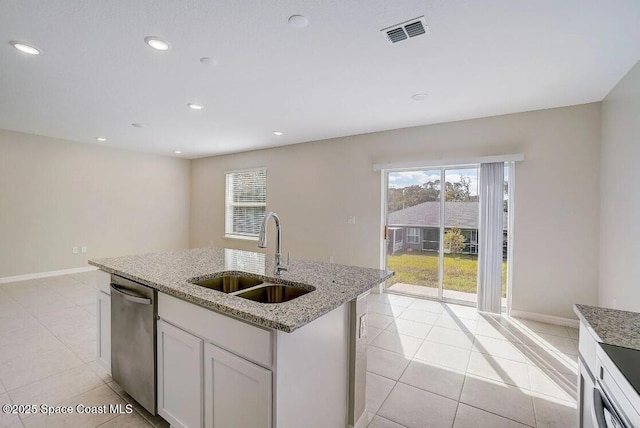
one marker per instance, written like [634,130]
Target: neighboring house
[418,227]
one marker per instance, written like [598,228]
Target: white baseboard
[549,319]
[46,274]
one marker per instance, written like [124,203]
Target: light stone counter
[611,326]
[169,273]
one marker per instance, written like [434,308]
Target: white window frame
[411,235]
[229,204]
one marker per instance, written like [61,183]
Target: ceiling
[338,76]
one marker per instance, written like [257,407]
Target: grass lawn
[421,268]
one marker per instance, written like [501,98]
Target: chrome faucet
[262,240]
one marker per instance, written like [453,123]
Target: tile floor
[48,353]
[429,364]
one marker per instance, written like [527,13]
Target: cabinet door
[104,330]
[179,376]
[237,393]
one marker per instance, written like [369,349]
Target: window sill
[241,237]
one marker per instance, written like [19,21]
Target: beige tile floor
[48,353]
[442,365]
[429,364]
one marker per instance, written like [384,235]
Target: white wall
[314,187]
[620,184]
[57,194]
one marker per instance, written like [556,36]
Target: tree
[459,191]
[454,240]
[405,197]
[432,190]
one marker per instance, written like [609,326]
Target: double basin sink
[252,288]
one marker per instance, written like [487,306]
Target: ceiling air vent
[405,30]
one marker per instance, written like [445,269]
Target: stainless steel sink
[273,293]
[228,283]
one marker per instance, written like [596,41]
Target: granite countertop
[612,326]
[169,272]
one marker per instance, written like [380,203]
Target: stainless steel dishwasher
[134,309]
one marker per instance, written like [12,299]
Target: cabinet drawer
[249,341]
[587,346]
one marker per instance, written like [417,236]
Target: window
[470,241]
[244,261]
[413,235]
[245,202]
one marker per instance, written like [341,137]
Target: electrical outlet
[351,219]
[74,250]
[362,331]
[83,249]
[615,303]
[331,259]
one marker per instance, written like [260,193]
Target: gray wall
[316,186]
[57,194]
[620,184]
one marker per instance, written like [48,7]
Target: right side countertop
[611,326]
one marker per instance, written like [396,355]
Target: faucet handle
[280,267]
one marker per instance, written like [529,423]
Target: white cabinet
[587,346]
[212,370]
[237,393]
[104,330]
[254,377]
[246,376]
[179,376]
[103,318]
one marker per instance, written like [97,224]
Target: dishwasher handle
[131,297]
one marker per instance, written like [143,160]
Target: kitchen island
[225,360]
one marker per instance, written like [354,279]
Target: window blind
[246,199]
[490,245]
[244,261]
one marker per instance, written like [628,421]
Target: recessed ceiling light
[419,97]
[157,43]
[137,125]
[277,133]
[205,60]
[177,152]
[22,47]
[298,21]
[195,106]
[101,139]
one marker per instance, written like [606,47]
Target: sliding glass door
[413,231]
[460,228]
[432,232]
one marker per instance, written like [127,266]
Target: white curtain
[490,237]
